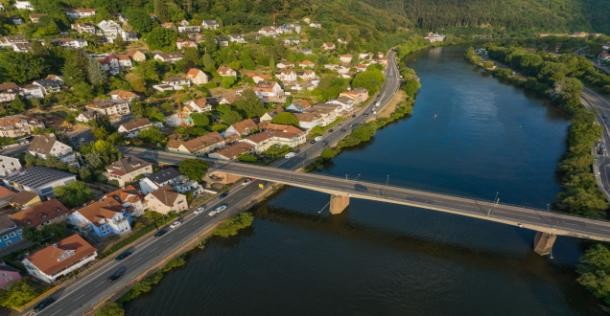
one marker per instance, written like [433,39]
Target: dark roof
[164,175]
[35,177]
[40,213]
[23,197]
[6,223]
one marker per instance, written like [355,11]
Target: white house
[225,71]
[47,146]
[60,259]
[168,57]
[287,76]
[9,166]
[110,107]
[133,127]
[210,24]
[197,76]
[345,58]
[80,13]
[101,219]
[269,91]
[264,140]
[23,5]
[110,29]
[165,200]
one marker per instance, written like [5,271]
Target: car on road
[343,129]
[161,232]
[377,103]
[312,141]
[118,273]
[246,182]
[360,187]
[366,114]
[223,195]
[218,210]
[199,210]
[318,138]
[43,304]
[175,224]
[290,155]
[124,254]
[331,130]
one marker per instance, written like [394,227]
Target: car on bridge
[118,273]
[360,188]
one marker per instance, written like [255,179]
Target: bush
[73,194]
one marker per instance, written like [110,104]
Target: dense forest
[514,15]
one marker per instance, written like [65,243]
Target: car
[290,155]
[118,273]
[343,129]
[353,115]
[175,224]
[218,210]
[246,182]
[377,104]
[360,187]
[366,114]
[124,254]
[43,304]
[199,210]
[161,232]
[331,130]
[519,225]
[318,138]
[223,195]
[313,141]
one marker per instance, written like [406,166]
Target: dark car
[366,114]
[223,195]
[360,187]
[118,273]
[124,254]
[353,115]
[312,141]
[331,130]
[161,232]
[343,129]
[43,304]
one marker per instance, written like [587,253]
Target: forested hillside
[517,15]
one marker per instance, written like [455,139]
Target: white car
[290,155]
[246,182]
[175,224]
[218,210]
[318,138]
[199,210]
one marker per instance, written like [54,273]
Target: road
[601,107]
[84,294]
[539,220]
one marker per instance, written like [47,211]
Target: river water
[468,135]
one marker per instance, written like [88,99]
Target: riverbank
[580,192]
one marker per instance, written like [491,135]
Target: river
[469,135]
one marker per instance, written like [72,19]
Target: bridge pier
[543,243]
[338,203]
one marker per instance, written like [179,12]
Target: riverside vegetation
[560,78]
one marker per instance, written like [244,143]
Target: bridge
[548,225]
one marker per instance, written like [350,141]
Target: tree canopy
[73,194]
[193,169]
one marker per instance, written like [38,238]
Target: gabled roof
[166,196]
[127,165]
[234,150]
[198,143]
[42,144]
[61,255]
[245,126]
[136,124]
[37,214]
[164,175]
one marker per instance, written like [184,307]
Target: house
[133,127]
[83,28]
[269,91]
[200,145]
[268,126]
[60,259]
[86,116]
[125,61]
[173,83]
[314,25]
[127,169]
[210,24]
[80,13]
[263,141]
[137,55]
[165,200]
[196,76]
[284,65]
[346,104]
[109,63]
[185,28]
[308,75]
[168,57]
[257,76]
[32,91]
[123,96]
[232,151]
[24,198]
[35,17]
[269,31]
[8,275]
[237,38]
[9,166]
[161,178]
[110,29]
[109,107]
[183,43]
[359,95]
[130,198]
[308,121]
[51,84]
[23,5]
[47,146]
[225,71]
[329,46]
[101,219]
[241,128]
[18,125]
[345,58]
[199,105]
[44,213]
[10,233]
[287,76]
[70,42]
[434,37]
[9,91]
[267,117]
[307,64]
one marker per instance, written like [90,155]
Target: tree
[21,67]
[193,169]
[200,119]
[249,105]
[139,20]
[161,38]
[227,115]
[17,294]
[370,79]
[47,233]
[72,71]
[330,86]
[161,10]
[95,74]
[227,82]
[153,136]
[285,118]
[110,309]
[594,271]
[73,194]
[208,63]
